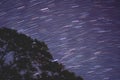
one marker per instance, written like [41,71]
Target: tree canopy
[24,58]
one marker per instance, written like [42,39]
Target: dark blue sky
[84,35]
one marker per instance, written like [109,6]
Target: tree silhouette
[24,58]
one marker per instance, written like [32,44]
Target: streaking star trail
[84,35]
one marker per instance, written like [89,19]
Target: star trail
[84,35]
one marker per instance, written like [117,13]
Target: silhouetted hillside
[24,58]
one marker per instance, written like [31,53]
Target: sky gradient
[84,35]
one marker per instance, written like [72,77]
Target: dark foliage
[24,58]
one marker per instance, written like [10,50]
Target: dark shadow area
[24,58]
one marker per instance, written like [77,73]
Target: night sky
[84,35]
